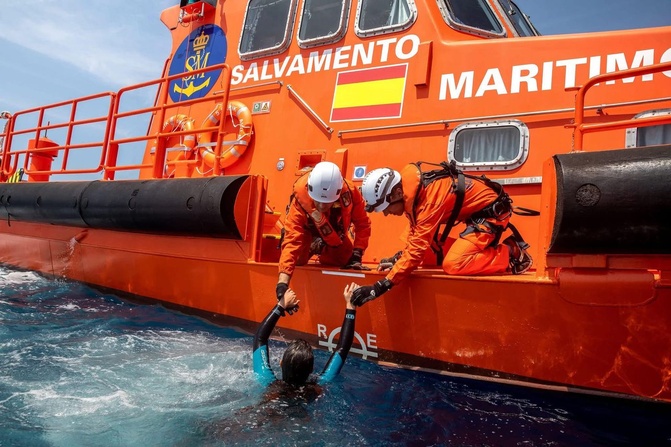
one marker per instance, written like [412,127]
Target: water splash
[81,368]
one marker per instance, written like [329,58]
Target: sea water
[83,368]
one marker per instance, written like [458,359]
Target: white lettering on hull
[348,56]
[528,77]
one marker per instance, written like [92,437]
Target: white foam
[69,306]
[54,404]
[14,278]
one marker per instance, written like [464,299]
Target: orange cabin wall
[288,131]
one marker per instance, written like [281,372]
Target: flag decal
[371,93]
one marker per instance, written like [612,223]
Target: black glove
[388,263]
[354,262]
[293,309]
[317,246]
[368,293]
[280,289]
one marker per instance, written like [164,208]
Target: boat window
[266,27]
[322,21]
[489,145]
[518,19]
[650,135]
[471,16]
[384,16]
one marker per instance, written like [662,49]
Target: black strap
[439,240]
[518,237]
[525,211]
[459,178]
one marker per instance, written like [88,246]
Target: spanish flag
[372,93]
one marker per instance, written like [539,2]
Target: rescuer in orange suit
[321,211]
[445,195]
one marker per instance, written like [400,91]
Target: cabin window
[650,135]
[489,145]
[518,19]
[322,21]
[383,16]
[471,16]
[266,29]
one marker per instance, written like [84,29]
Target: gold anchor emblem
[199,45]
[190,89]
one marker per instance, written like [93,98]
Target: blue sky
[569,16]
[57,50]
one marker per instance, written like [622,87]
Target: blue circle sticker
[206,46]
[359,172]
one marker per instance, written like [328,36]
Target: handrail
[580,128]
[4,137]
[158,166]
[109,144]
[41,127]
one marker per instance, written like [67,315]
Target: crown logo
[201,41]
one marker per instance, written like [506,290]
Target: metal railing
[580,128]
[108,145]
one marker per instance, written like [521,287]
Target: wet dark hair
[297,362]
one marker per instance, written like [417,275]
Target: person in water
[298,359]
[322,208]
[443,196]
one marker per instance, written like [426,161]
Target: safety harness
[331,230]
[502,206]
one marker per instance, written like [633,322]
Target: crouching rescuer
[444,196]
[323,210]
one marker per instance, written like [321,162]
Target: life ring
[232,150]
[178,123]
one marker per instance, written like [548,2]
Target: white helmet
[325,182]
[377,186]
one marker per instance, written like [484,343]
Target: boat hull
[528,330]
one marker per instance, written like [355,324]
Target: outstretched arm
[337,360]
[261,356]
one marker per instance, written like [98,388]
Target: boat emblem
[204,47]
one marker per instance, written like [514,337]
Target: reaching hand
[347,293]
[354,262]
[368,293]
[290,302]
[280,289]
[388,263]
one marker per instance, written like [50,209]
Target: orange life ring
[177,123]
[232,150]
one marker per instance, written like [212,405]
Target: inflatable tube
[54,203]
[197,207]
[613,202]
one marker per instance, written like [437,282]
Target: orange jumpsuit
[426,208]
[301,228]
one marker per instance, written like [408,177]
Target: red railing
[580,128]
[109,144]
[40,128]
